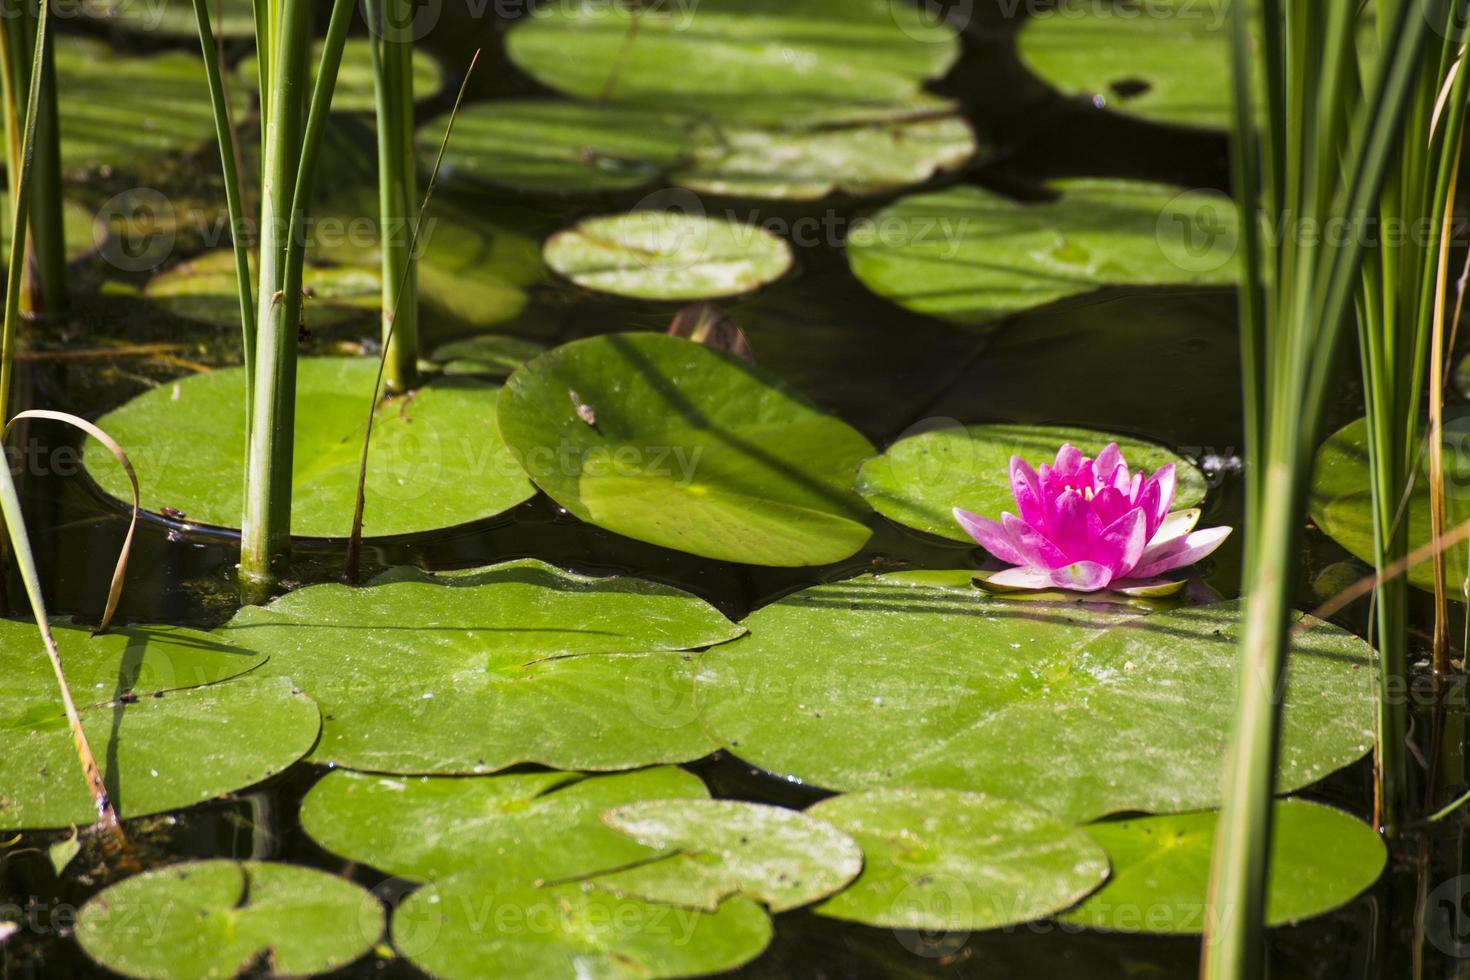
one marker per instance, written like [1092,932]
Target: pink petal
[1183,551]
[1020,578]
[1148,501]
[1085,474]
[1082,576]
[1069,457]
[1036,548]
[1067,524]
[989,535]
[1175,527]
[1122,541]
[1121,480]
[1168,481]
[1107,463]
[1110,505]
[1026,487]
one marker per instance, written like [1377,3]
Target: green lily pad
[670,442]
[1341,501]
[547,146]
[354,90]
[667,255]
[922,477]
[854,157]
[475,925]
[160,747]
[486,355]
[1167,62]
[946,860]
[526,828]
[206,289]
[174,18]
[1082,708]
[971,256]
[119,109]
[779,857]
[436,458]
[751,58]
[226,918]
[470,672]
[1320,858]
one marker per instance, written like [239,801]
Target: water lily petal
[989,535]
[1148,501]
[1168,481]
[1026,486]
[1067,524]
[1148,588]
[1110,505]
[1038,550]
[1186,551]
[1082,576]
[1106,464]
[1122,542]
[1175,526]
[1069,457]
[1020,578]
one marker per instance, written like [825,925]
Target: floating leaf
[1341,499]
[945,860]
[120,109]
[486,355]
[205,289]
[475,925]
[64,851]
[555,147]
[920,478]
[354,90]
[226,918]
[1083,709]
[162,743]
[1320,858]
[667,441]
[470,672]
[174,18]
[436,458]
[779,857]
[1168,62]
[971,256]
[667,255]
[526,828]
[857,157]
[752,58]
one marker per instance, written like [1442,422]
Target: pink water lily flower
[1088,524]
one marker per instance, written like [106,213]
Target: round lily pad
[474,925]
[921,478]
[486,355]
[946,860]
[121,109]
[670,442]
[436,458]
[855,157]
[1081,708]
[735,57]
[354,91]
[474,671]
[779,857]
[1341,501]
[667,255]
[158,750]
[1320,858]
[971,256]
[226,918]
[205,288]
[525,827]
[549,146]
[1167,62]
[174,18]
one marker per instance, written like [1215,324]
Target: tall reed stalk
[44,284]
[393,86]
[1313,144]
[292,138]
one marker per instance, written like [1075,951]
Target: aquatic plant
[1088,523]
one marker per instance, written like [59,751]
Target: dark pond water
[1159,364]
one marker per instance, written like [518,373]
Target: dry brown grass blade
[119,572]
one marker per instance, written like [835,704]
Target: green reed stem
[393,88]
[225,135]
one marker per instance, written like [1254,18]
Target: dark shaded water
[1158,364]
